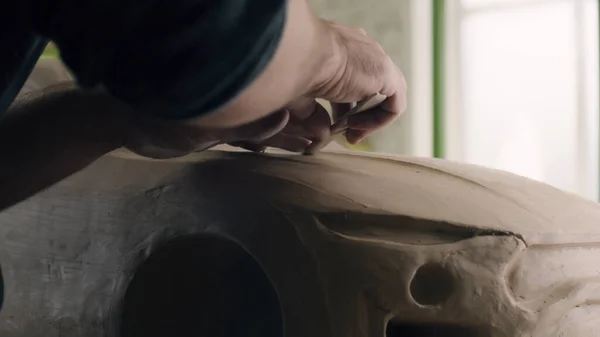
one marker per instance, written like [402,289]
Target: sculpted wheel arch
[189,281]
[350,244]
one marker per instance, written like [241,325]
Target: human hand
[309,123]
[357,69]
[160,139]
[360,68]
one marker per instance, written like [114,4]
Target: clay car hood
[422,188]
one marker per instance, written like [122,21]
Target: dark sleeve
[173,59]
[20,49]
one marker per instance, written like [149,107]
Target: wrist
[294,70]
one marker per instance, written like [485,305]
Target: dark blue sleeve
[20,49]
[172,59]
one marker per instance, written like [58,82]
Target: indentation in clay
[432,285]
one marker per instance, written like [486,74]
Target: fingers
[318,124]
[373,119]
[308,119]
[256,131]
[253,147]
[281,141]
[307,123]
[364,124]
[395,89]
[396,103]
[288,142]
[340,109]
[354,136]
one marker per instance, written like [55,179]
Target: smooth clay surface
[225,244]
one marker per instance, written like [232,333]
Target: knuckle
[321,132]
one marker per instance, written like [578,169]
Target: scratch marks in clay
[570,279]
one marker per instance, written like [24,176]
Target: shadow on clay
[201,286]
[431,286]
[400,229]
[400,329]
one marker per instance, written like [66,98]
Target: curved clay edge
[421,188]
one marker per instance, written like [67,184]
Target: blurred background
[507,84]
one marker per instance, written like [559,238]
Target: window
[522,88]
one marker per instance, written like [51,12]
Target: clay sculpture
[228,244]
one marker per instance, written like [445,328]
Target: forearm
[237,61]
[46,139]
[305,47]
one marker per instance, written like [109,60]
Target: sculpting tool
[341,124]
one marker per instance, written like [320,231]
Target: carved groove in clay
[389,228]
